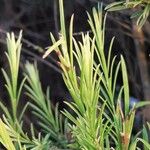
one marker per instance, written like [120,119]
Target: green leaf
[141,104]
[115,6]
[125,85]
[146,144]
[23,111]
[20,89]
[5,110]
[5,138]
[70,37]
[51,48]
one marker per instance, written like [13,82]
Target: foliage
[142,12]
[13,121]
[100,120]
[42,108]
[14,90]
[5,138]
[52,124]
[21,140]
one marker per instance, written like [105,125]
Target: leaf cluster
[141,7]
[100,121]
[53,127]
[102,117]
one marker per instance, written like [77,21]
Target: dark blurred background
[37,18]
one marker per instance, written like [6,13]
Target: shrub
[100,120]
